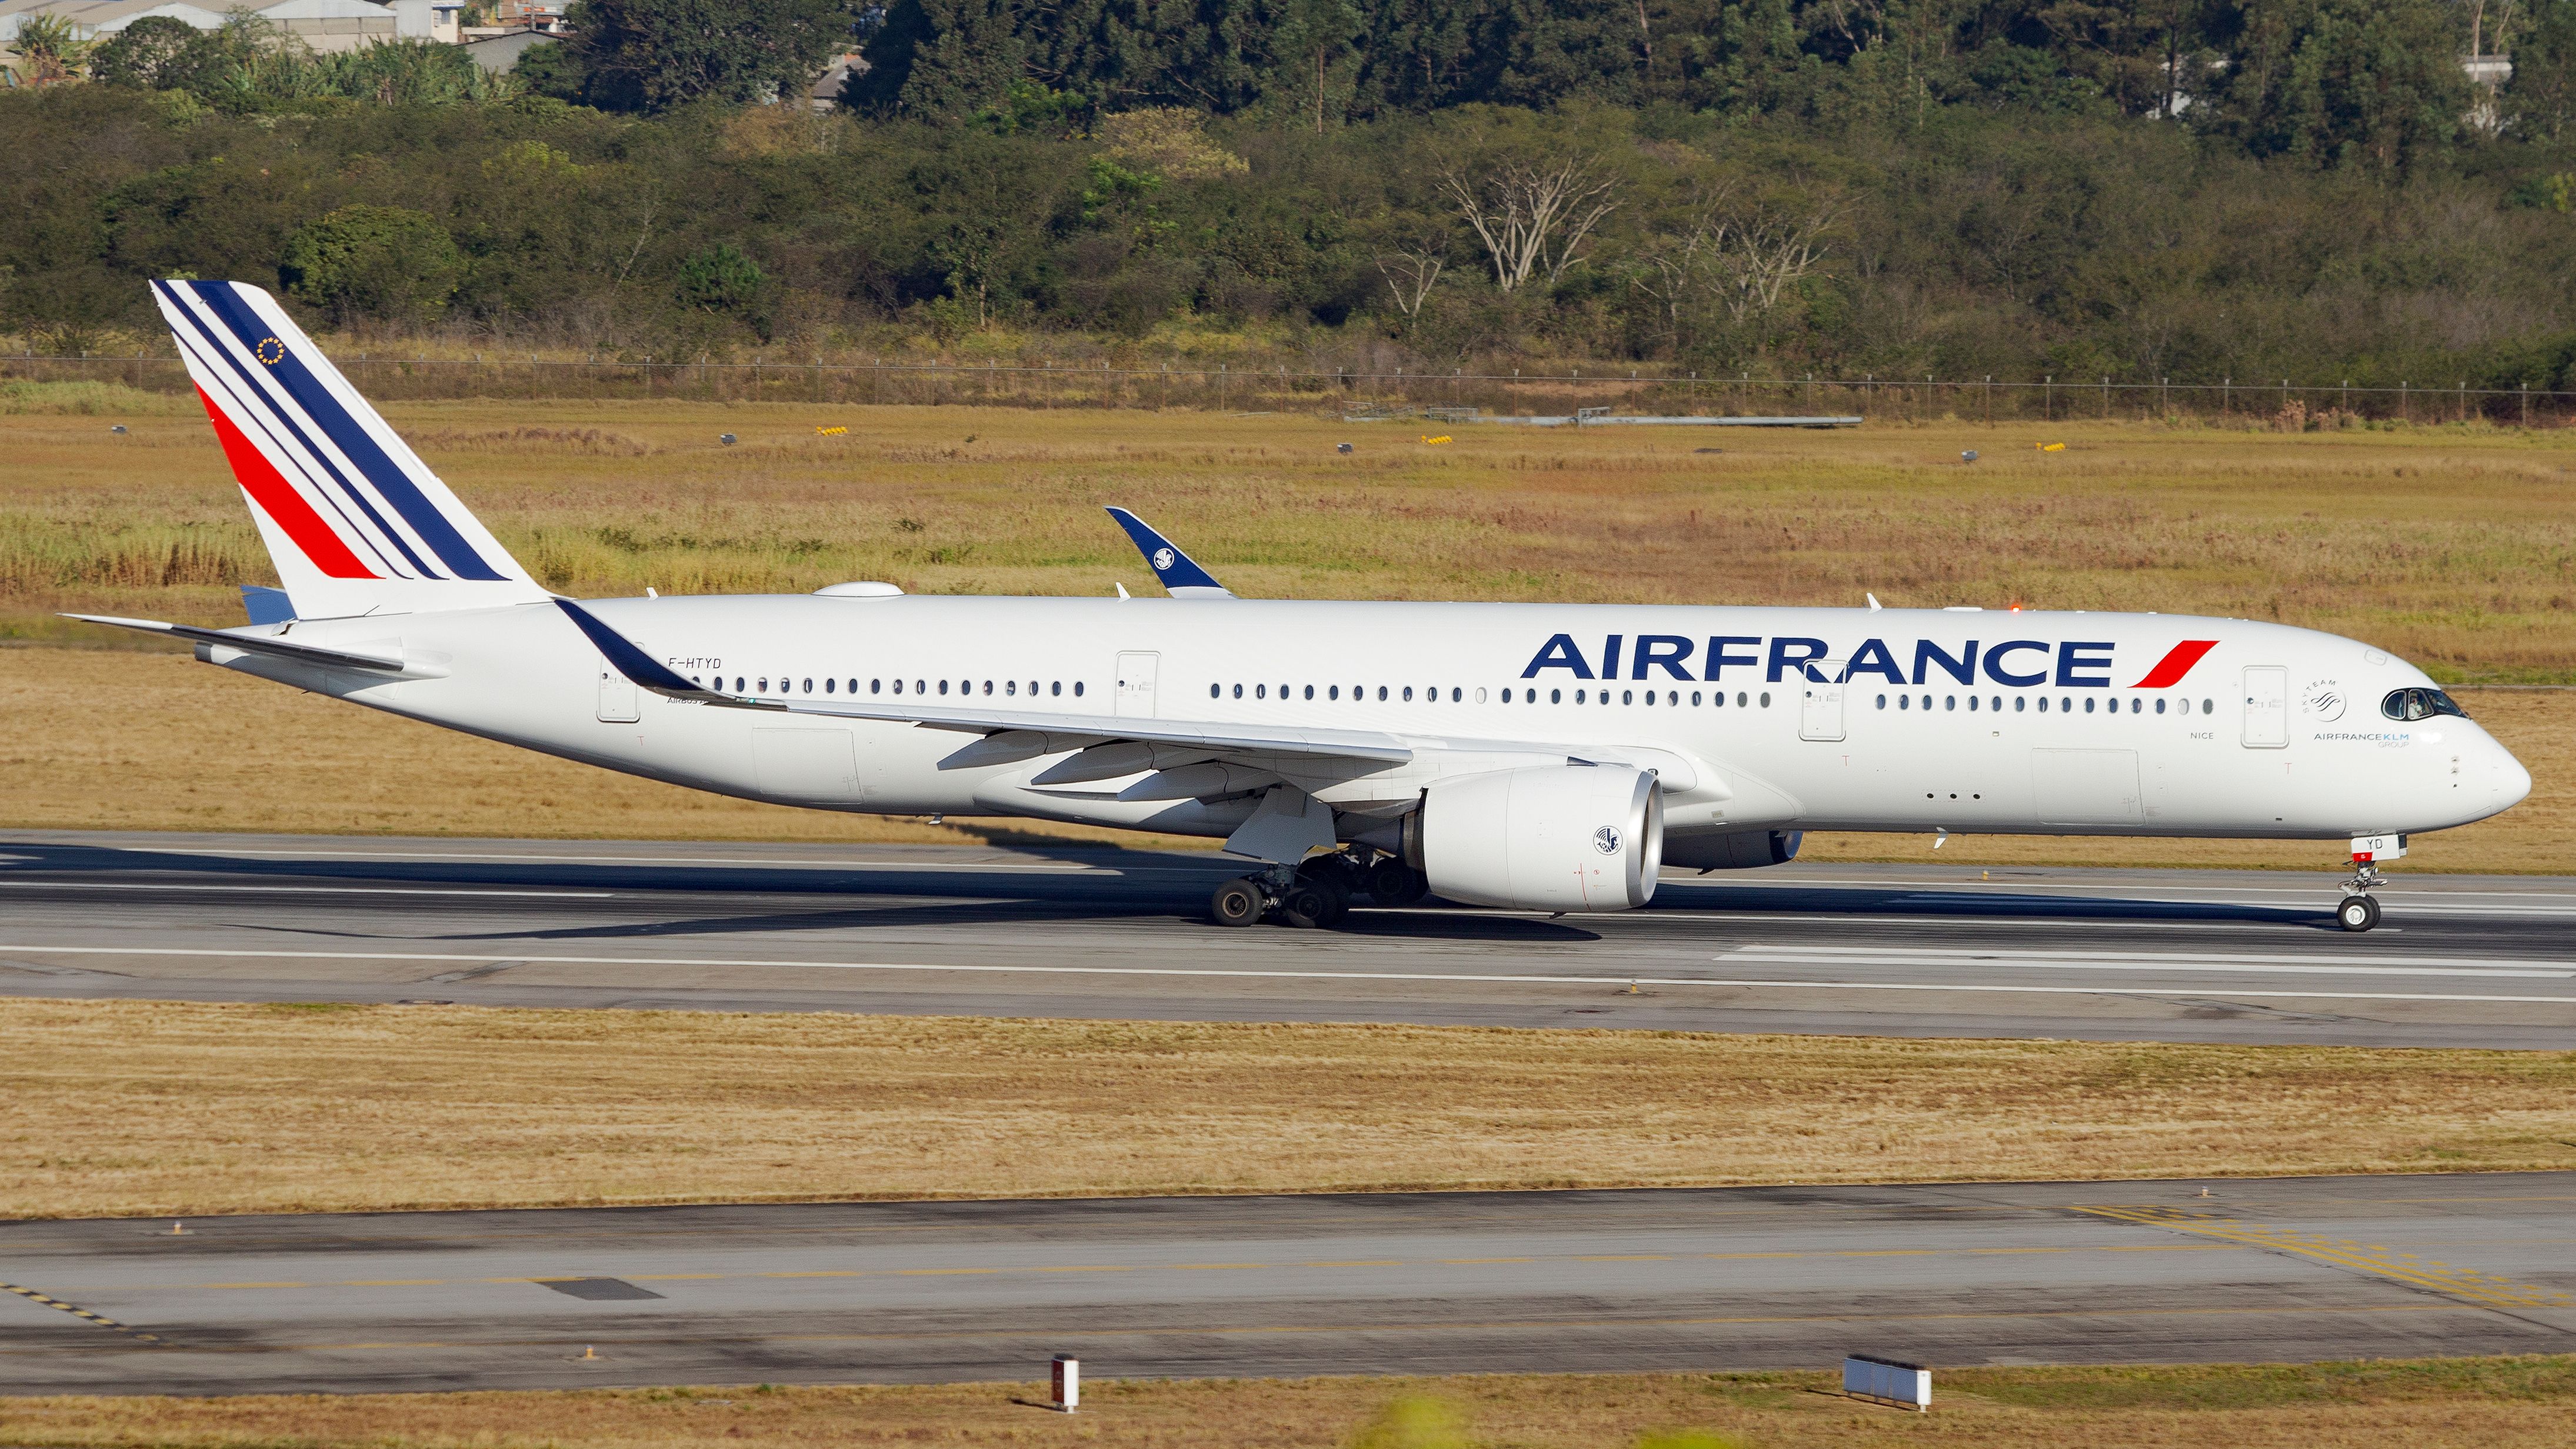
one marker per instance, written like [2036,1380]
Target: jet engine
[1550,838]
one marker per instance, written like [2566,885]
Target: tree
[939,60]
[1532,216]
[50,48]
[2336,82]
[660,54]
[162,53]
[2540,101]
[388,263]
[719,279]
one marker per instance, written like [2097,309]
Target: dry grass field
[2508,1403]
[187,1109]
[2454,546]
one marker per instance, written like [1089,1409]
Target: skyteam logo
[2014,663]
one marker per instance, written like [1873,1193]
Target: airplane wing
[1180,574]
[268,644]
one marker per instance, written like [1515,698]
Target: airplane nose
[2511,782]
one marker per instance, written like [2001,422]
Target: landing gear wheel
[2357,913]
[1238,902]
[1393,883]
[1306,906]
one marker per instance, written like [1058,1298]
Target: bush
[386,263]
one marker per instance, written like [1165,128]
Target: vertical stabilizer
[355,522]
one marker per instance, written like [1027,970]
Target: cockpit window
[2415,704]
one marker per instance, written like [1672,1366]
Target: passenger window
[1333,692]
[1766,699]
[877,686]
[1556,696]
[1625,696]
[1882,701]
[1077,689]
[1381,693]
[809,686]
[988,686]
[1905,701]
[1261,691]
[1695,699]
[1238,691]
[1408,692]
[1578,696]
[1310,691]
[943,686]
[1950,701]
[827,686]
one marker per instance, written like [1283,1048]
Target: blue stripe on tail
[353,440]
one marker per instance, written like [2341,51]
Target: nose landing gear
[2359,911]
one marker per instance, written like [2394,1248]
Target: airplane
[1539,757]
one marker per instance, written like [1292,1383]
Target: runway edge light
[1906,1385]
[1066,1393]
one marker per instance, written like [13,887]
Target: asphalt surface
[1892,950]
[2281,1270]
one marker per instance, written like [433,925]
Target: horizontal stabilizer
[270,645]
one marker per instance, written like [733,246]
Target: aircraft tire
[2357,913]
[1306,906]
[1393,883]
[1238,902]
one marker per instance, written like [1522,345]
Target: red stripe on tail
[2170,669]
[279,500]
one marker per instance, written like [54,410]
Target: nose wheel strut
[2359,911]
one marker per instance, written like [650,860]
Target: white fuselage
[2042,727]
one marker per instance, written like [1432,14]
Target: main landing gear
[1317,894]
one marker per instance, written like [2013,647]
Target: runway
[2281,1270]
[1095,932]
[1122,934]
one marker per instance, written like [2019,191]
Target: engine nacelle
[1735,850]
[1550,838]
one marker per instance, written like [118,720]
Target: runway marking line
[2487,1290]
[295,890]
[95,1320]
[1614,982]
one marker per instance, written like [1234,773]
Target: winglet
[635,664]
[1179,574]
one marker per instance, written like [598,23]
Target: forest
[2134,189]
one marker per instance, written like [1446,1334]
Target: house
[497,50]
[324,25]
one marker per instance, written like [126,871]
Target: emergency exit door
[2267,707]
[1820,703]
[1135,697]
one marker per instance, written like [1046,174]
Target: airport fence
[1456,394]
